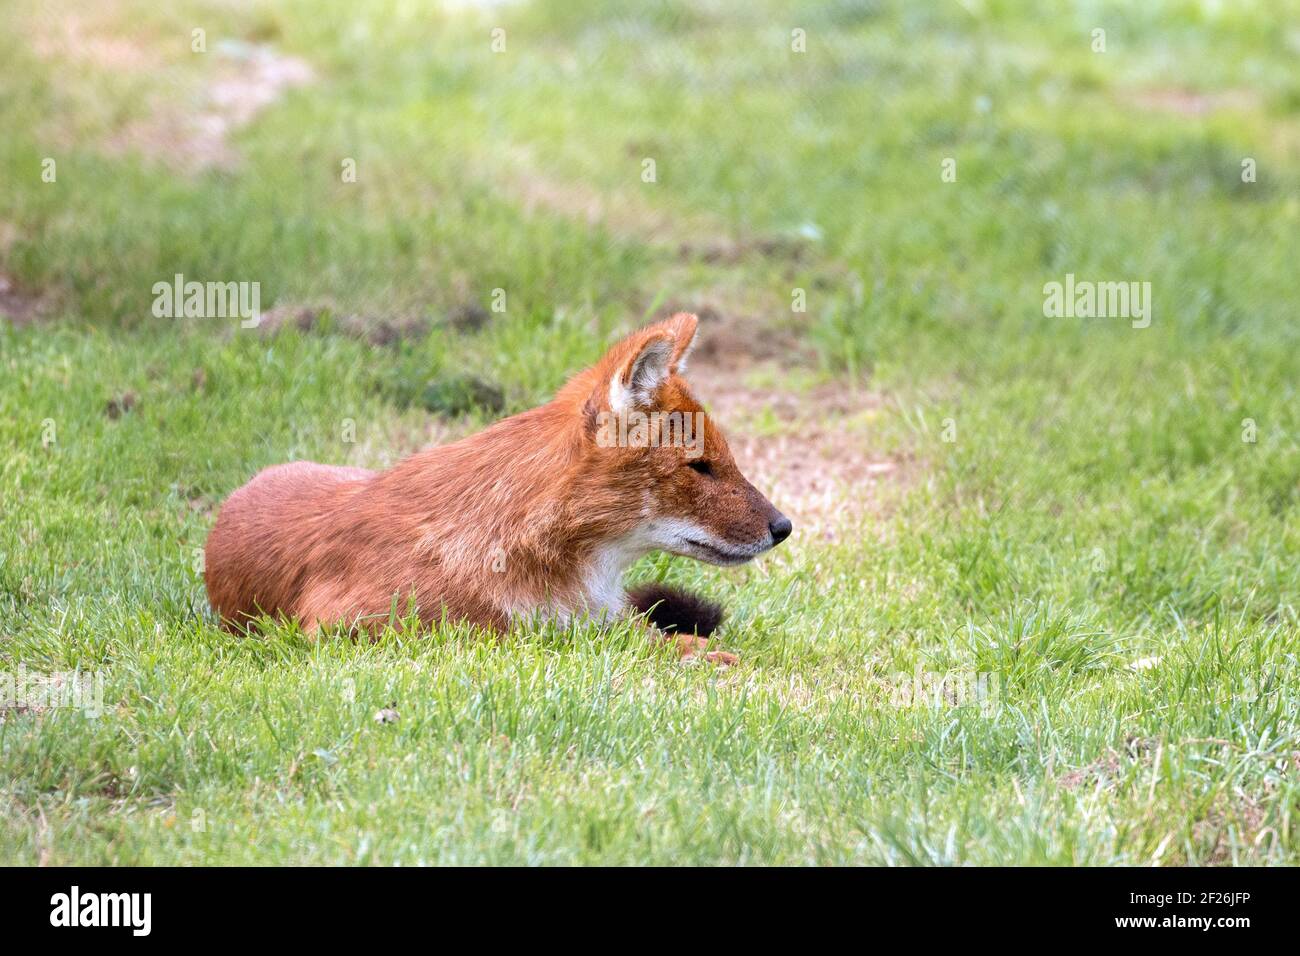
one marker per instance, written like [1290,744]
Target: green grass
[1097,504]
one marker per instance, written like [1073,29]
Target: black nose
[780,529]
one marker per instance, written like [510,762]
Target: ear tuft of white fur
[635,385]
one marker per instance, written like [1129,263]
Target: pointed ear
[682,328]
[634,382]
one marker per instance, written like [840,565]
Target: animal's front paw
[697,648]
[721,658]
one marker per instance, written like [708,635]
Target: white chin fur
[710,555]
[692,541]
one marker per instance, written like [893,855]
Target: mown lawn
[1061,628]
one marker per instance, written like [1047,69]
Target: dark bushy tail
[673,610]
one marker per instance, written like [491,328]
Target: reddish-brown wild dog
[537,514]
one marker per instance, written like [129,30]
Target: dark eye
[701,466]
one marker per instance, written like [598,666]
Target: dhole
[533,515]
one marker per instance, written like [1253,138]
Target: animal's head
[658,451]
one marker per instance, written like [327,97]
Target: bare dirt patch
[20,305]
[1101,771]
[1106,769]
[87,37]
[1238,820]
[232,84]
[247,80]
